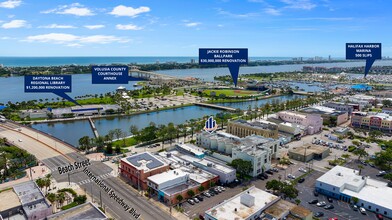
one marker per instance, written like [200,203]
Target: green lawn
[128,142]
[230,92]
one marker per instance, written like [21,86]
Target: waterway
[72,131]
[12,88]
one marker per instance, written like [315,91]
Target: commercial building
[249,204]
[256,149]
[226,174]
[191,149]
[85,110]
[242,128]
[137,168]
[329,115]
[219,141]
[185,176]
[346,184]
[33,114]
[24,201]
[286,210]
[340,107]
[312,123]
[84,211]
[379,121]
[308,153]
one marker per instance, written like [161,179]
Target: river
[72,131]
[12,88]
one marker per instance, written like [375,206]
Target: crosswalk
[103,176]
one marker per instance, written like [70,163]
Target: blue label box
[109,74]
[362,51]
[223,56]
[48,83]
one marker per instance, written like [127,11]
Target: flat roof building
[345,184]
[312,123]
[33,201]
[308,152]
[243,128]
[256,149]
[249,204]
[329,115]
[83,211]
[136,168]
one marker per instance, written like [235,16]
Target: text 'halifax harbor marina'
[312,141]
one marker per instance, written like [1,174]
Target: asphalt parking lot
[341,210]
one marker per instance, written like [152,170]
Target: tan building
[242,128]
[308,152]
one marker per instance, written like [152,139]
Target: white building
[313,123]
[168,178]
[226,174]
[345,184]
[248,205]
[256,149]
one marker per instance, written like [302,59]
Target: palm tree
[60,197]
[47,181]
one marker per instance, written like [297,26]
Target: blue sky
[179,27]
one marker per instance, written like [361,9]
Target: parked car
[389,184]
[301,169]
[314,201]
[260,177]
[362,210]
[330,199]
[196,200]
[321,204]
[264,175]
[222,188]
[206,194]
[275,170]
[315,193]
[355,207]
[269,172]
[290,176]
[190,201]
[200,198]
[301,180]
[329,206]
[318,214]
[381,173]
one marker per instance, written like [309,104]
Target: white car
[291,176]
[301,169]
[20,140]
[321,204]
[362,210]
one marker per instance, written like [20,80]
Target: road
[61,155]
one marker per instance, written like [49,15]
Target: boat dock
[226,108]
[95,131]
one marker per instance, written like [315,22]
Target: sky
[268,28]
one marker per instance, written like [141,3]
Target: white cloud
[72,9]
[299,4]
[59,26]
[15,24]
[220,25]
[272,11]
[128,27]
[192,24]
[230,14]
[10,4]
[92,27]
[53,38]
[74,40]
[122,10]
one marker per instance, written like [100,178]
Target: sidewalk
[37,172]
